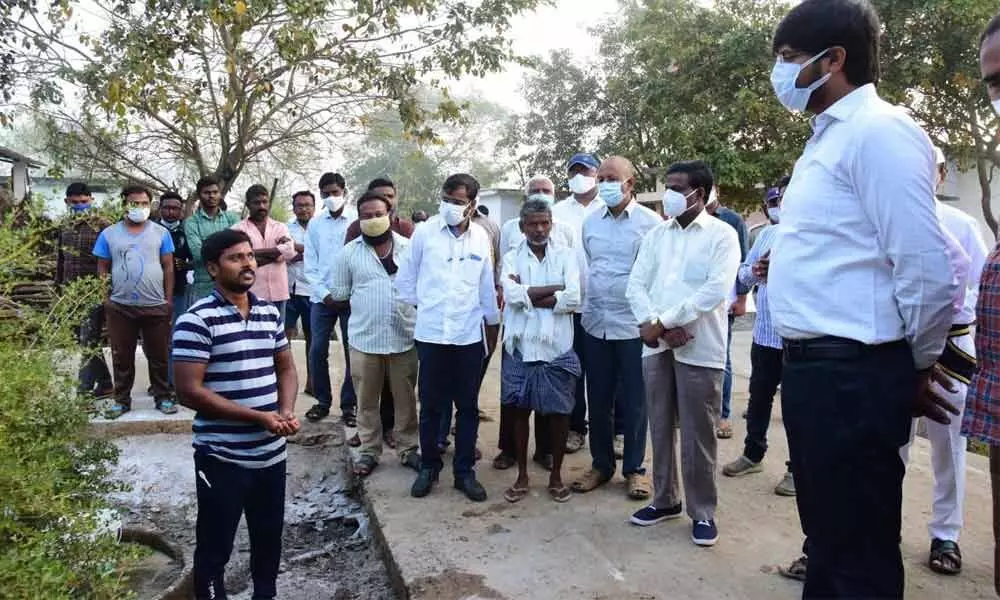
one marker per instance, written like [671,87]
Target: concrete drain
[166,574]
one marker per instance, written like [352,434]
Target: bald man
[542,189]
[613,348]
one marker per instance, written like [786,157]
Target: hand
[292,422]
[739,308]
[515,279]
[274,423]
[676,337]
[928,403]
[329,301]
[651,333]
[761,267]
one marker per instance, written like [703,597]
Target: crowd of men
[873,300]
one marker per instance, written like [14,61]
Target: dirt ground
[328,551]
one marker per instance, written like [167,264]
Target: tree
[930,58]
[563,117]
[209,86]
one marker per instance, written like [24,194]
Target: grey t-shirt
[136,273]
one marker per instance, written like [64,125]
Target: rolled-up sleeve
[893,174]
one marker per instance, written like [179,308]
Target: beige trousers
[368,373]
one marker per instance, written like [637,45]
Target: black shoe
[318,412]
[472,489]
[425,481]
[412,460]
[349,417]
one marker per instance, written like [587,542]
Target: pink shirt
[272,279]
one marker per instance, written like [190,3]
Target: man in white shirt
[381,332]
[861,289]
[582,172]
[613,356]
[541,284]
[449,278]
[299,306]
[324,240]
[539,188]
[948,446]
[678,292]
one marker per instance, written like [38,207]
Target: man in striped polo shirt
[234,367]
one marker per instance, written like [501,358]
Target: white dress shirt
[380,323]
[298,285]
[511,236]
[966,232]
[860,253]
[611,244]
[450,281]
[324,240]
[571,213]
[539,334]
[682,278]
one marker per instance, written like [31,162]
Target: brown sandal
[560,493]
[724,431]
[639,487]
[589,481]
[514,494]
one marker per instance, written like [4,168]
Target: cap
[939,156]
[587,160]
[773,194]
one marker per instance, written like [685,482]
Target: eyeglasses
[455,201]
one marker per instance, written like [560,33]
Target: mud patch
[453,585]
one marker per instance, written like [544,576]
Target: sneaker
[619,446]
[472,489]
[650,515]
[574,442]
[411,460]
[166,406]
[425,481]
[704,533]
[786,487]
[742,466]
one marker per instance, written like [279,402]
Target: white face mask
[996,105]
[335,203]
[774,213]
[675,204]
[452,214]
[783,77]
[546,198]
[138,214]
[581,184]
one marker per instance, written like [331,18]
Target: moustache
[247,272]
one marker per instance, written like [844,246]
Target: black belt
[833,348]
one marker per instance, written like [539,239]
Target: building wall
[961,190]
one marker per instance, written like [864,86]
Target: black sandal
[945,557]
[796,570]
[349,417]
[365,465]
[317,412]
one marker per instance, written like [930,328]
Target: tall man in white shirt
[449,278]
[861,292]
[541,285]
[582,171]
[678,291]
[324,240]
[381,332]
[948,446]
[539,188]
[613,355]
[299,306]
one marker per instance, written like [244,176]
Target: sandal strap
[940,547]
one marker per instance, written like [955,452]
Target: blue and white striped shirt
[240,357]
[763,329]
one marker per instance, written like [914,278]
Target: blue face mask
[79,208]
[611,192]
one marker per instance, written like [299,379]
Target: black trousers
[765,377]
[225,492]
[847,410]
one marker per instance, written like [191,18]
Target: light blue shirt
[324,241]
[611,244]
[763,329]
[298,285]
[136,271]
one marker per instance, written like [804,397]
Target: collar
[254,301]
[627,212]
[701,220]
[843,109]
[329,217]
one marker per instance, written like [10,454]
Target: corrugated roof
[8,155]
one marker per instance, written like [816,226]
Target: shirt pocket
[696,272]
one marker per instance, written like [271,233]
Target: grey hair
[527,186]
[535,207]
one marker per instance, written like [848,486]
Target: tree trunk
[983,170]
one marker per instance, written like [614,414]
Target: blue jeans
[727,381]
[324,319]
[615,366]
[180,307]
[449,375]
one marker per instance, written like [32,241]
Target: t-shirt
[136,272]
[240,367]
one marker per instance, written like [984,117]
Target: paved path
[447,548]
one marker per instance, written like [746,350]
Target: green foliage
[208,86]
[53,475]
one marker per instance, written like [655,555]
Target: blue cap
[581,158]
[773,194]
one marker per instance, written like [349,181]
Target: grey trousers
[678,392]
